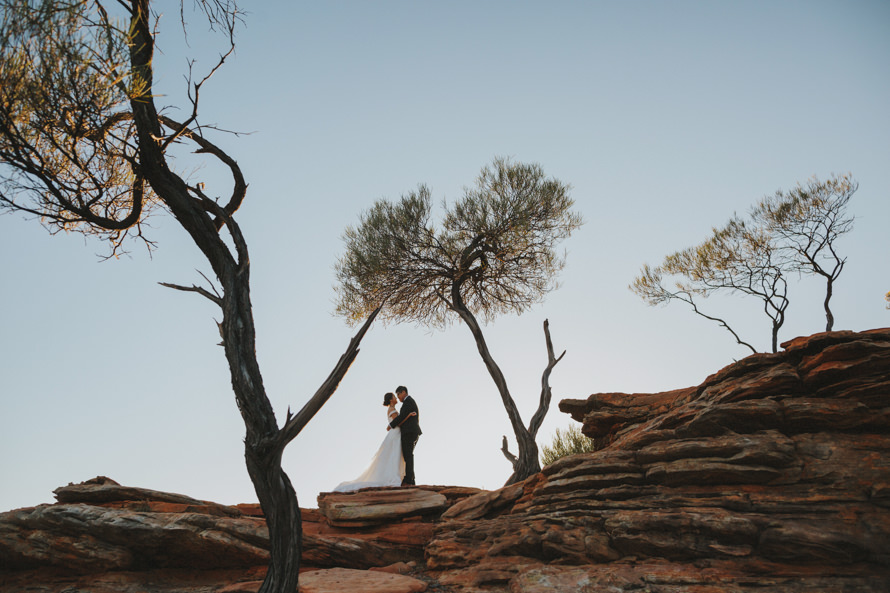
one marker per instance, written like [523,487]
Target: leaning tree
[738,258]
[85,147]
[494,253]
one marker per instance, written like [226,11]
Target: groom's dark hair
[402,388]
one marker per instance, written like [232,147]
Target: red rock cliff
[772,475]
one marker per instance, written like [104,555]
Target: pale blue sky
[665,117]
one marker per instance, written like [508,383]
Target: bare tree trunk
[203,219]
[282,512]
[528,442]
[829,318]
[526,464]
[523,466]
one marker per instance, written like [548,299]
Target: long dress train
[387,466]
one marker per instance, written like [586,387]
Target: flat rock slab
[342,580]
[102,490]
[385,505]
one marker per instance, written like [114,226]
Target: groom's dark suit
[410,433]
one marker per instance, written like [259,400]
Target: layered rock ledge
[772,475]
[102,536]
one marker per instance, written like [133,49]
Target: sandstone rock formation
[379,506]
[339,580]
[102,536]
[773,475]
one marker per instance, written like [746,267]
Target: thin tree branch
[202,291]
[718,320]
[205,146]
[505,449]
[294,424]
[544,402]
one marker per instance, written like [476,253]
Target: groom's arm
[406,418]
[403,414]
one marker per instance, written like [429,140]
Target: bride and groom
[393,464]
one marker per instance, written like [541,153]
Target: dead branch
[202,291]
[296,423]
[505,449]
[544,402]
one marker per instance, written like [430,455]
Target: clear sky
[665,117]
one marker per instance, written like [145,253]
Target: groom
[410,426]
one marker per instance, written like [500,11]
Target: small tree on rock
[736,259]
[787,232]
[807,221]
[494,253]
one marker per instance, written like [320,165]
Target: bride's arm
[392,416]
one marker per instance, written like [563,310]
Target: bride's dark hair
[388,398]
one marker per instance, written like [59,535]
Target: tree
[494,254]
[568,442]
[808,220]
[736,258]
[84,146]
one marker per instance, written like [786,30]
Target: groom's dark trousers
[409,440]
[410,427]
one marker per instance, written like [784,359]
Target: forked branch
[505,449]
[544,402]
[193,288]
[295,424]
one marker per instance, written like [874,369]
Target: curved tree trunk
[829,318]
[526,464]
[282,511]
[203,219]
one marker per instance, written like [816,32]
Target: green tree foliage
[68,144]
[788,232]
[493,253]
[807,222]
[85,147]
[566,442]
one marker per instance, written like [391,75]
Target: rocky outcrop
[100,525]
[773,475]
[104,536]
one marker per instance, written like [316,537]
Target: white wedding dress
[387,466]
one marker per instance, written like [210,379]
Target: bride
[387,466]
